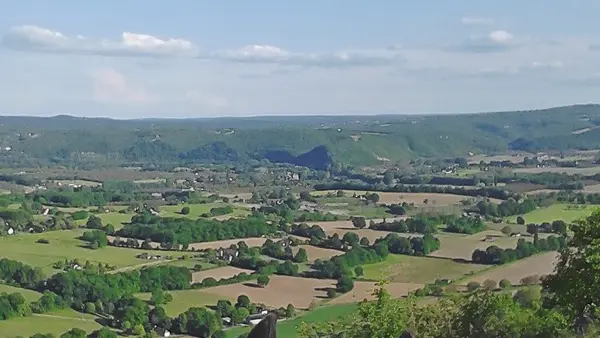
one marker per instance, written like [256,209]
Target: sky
[200,58]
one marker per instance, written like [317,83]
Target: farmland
[281,291]
[29,295]
[453,246]
[410,269]
[569,171]
[540,265]
[364,290]
[185,299]
[65,245]
[565,212]
[315,253]
[197,210]
[400,197]
[288,328]
[47,323]
[218,273]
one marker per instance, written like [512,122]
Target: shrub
[331,293]
[185,210]
[42,241]
[489,284]
[505,283]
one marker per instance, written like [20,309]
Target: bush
[489,284]
[331,293]
[43,241]
[520,220]
[530,280]
[507,230]
[505,283]
[472,286]
[185,210]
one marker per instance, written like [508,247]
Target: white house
[10,231]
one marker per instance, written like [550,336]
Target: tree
[359,222]
[358,271]
[185,210]
[109,229]
[301,256]
[574,285]
[364,241]
[103,333]
[388,178]
[290,311]
[331,293]
[138,330]
[345,284]
[559,227]
[489,284]
[520,220]
[242,301]
[507,230]
[532,228]
[263,280]
[530,280]
[239,315]
[74,333]
[528,297]
[159,297]
[224,308]
[505,283]
[90,307]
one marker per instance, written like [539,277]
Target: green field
[289,328]
[565,212]
[30,295]
[64,244]
[196,210]
[185,299]
[56,324]
[410,269]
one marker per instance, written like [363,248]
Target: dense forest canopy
[352,139]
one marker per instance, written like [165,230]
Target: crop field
[289,328]
[45,323]
[410,269]
[185,299]
[594,188]
[84,183]
[565,212]
[454,246]
[281,291]
[218,273]
[156,180]
[29,295]
[196,210]
[342,227]
[315,253]
[364,290]
[399,197]
[541,264]
[64,244]
[516,158]
[568,171]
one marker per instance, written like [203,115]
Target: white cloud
[474,20]
[275,55]
[37,39]
[551,65]
[110,86]
[495,41]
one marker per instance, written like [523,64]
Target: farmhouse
[489,239]
[515,234]
[227,254]
[10,231]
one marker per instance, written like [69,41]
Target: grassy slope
[185,299]
[555,212]
[64,244]
[288,328]
[408,269]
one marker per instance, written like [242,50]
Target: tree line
[495,255]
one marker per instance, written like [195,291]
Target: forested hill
[350,139]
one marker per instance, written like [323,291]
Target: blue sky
[184,58]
